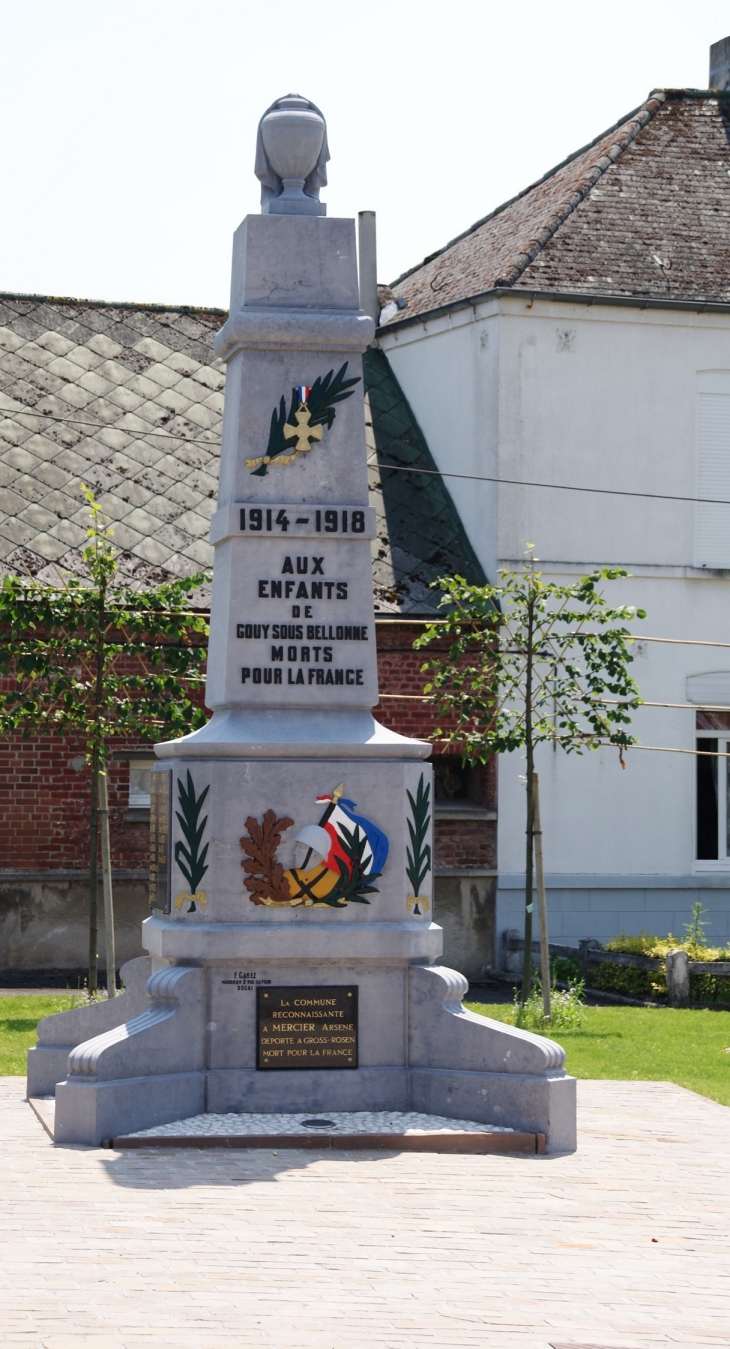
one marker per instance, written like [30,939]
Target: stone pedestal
[292,836]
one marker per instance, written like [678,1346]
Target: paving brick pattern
[624,1244]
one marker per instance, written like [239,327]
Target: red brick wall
[458,844]
[399,672]
[45,796]
[463,844]
[45,786]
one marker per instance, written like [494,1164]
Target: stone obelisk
[292,939]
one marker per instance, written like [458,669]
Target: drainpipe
[368,264]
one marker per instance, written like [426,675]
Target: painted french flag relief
[342,814]
[337,860]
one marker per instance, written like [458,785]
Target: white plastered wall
[597,397]
[448,371]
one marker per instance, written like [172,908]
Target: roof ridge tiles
[113,304]
[634,125]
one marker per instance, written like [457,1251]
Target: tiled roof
[129,399]
[644,211]
[124,398]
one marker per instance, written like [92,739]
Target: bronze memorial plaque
[160,810]
[306,1027]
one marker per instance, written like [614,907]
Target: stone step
[387,1129]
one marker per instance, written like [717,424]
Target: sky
[127,127]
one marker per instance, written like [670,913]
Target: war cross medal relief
[311,409]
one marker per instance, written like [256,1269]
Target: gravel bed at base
[338,1121]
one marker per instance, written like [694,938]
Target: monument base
[167,1063]
[391,1130]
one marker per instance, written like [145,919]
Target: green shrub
[629,981]
[646,944]
[623,979]
[706,988]
[566,969]
[566,1006]
[652,984]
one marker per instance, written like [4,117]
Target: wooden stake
[541,900]
[94,879]
[106,871]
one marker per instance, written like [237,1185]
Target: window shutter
[709,690]
[712,523]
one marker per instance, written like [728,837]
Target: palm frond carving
[325,393]
[189,855]
[419,853]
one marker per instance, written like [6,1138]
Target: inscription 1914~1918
[306,1027]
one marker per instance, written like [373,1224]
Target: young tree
[94,657]
[532,661]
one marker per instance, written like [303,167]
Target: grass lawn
[19,1017]
[655,1044]
[663,1044]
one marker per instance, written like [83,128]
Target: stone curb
[476,1142]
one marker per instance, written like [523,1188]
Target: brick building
[128,399]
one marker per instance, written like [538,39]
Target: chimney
[720,64]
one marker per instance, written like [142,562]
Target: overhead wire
[631,637]
[655,749]
[379,464]
[670,749]
[554,486]
[688,707]
[175,440]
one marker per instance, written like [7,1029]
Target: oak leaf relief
[265,878]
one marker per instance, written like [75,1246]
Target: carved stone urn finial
[291,157]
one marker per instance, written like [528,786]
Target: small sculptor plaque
[306,1027]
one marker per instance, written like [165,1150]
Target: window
[462,791]
[713,786]
[712,522]
[139,783]
[451,779]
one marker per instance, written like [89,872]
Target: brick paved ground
[210,1250]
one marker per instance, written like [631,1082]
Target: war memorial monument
[292,943]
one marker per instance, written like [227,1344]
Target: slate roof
[420,535]
[129,399]
[643,211]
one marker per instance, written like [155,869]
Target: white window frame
[136,799]
[722,863]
